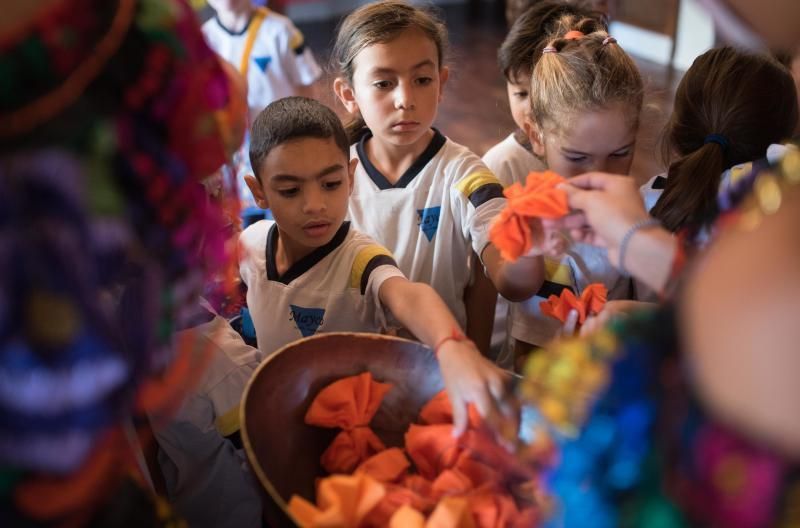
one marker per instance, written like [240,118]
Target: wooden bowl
[283,451]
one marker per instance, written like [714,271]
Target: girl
[585,97]
[729,107]
[426,198]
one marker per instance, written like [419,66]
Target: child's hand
[548,239]
[471,378]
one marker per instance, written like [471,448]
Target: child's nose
[404,97]
[314,202]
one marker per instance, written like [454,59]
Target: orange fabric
[419,485]
[387,466]
[451,512]
[511,232]
[493,510]
[349,449]
[592,300]
[451,482]
[478,473]
[439,410]
[432,448]
[396,497]
[349,403]
[342,500]
[407,517]
[482,447]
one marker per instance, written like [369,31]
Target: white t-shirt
[581,266]
[279,60]
[332,289]
[433,217]
[200,451]
[510,162]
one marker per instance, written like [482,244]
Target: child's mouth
[316,229]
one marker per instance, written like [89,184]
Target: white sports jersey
[581,266]
[332,289]
[510,162]
[200,450]
[278,61]
[433,217]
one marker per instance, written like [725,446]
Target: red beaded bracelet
[456,335]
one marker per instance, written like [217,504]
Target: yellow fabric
[296,41]
[558,272]
[255,24]
[361,261]
[228,423]
[475,181]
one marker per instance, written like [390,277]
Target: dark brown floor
[475,111]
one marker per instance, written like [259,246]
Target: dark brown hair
[528,35]
[378,23]
[584,74]
[293,118]
[515,8]
[748,99]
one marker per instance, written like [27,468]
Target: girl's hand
[471,378]
[608,206]
[612,310]
[548,239]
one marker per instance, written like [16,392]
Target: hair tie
[609,40]
[719,139]
[550,49]
[574,35]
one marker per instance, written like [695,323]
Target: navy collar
[234,33]
[436,144]
[304,264]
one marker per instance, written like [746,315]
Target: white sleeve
[297,58]
[383,318]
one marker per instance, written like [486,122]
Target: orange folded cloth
[349,403]
[387,466]
[592,300]
[493,510]
[432,448]
[342,501]
[480,446]
[407,517]
[451,482]
[439,410]
[451,512]
[478,473]
[396,497]
[540,198]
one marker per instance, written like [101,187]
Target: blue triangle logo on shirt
[262,62]
[428,220]
[307,320]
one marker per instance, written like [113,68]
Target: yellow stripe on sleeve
[296,41]
[362,259]
[228,423]
[475,181]
[556,271]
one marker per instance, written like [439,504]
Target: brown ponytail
[746,98]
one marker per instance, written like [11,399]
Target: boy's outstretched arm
[468,376]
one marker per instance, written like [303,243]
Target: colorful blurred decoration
[111,113]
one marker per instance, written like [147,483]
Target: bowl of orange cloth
[283,451]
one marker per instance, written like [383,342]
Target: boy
[271,55]
[512,159]
[309,271]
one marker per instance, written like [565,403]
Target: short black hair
[293,118]
[528,35]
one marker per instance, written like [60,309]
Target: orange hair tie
[574,35]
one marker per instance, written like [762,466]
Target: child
[310,271]
[428,199]
[586,94]
[512,159]
[600,9]
[271,54]
[729,107]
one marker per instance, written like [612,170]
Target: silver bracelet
[623,246]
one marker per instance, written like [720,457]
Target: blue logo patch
[262,62]
[307,320]
[428,220]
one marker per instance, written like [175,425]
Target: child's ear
[535,136]
[444,74]
[351,173]
[258,192]
[345,94]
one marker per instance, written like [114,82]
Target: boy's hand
[471,378]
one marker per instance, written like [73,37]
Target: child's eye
[575,159]
[331,185]
[521,95]
[382,85]
[424,81]
[621,154]
[288,193]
